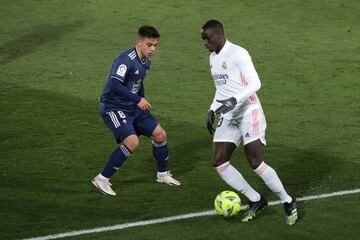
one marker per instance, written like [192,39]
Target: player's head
[147,40]
[212,33]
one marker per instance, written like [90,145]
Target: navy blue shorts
[123,124]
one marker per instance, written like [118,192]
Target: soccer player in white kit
[242,119]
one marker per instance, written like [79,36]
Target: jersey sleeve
[119,89]
[247,69]
[120,69]
[141,92]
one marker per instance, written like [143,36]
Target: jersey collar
[226,46]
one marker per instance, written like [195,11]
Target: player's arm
[248,71]
[143,104]
[117,84]
[141,91]
[120,89]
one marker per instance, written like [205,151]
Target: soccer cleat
[290,212]
[103,185]
[253,208]
[166,177]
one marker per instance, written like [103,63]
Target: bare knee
[254,161]
[254,158]
[159,135]
[219,159]
[131,142]
[222,152]
[254,153]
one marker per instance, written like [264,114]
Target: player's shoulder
[238,50]
[126,56]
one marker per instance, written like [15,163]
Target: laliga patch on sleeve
[121,70]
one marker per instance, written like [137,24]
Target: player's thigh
[227,131]
[253,126]
[120,123]
[145,123]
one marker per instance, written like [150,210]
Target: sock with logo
[116,159]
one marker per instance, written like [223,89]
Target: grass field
[54,59]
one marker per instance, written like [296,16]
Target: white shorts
[250,127]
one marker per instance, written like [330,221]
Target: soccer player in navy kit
[125,111]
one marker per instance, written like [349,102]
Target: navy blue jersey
[124,86]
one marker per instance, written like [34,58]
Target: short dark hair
[148,32]
[214,24]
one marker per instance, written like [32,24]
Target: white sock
[232,177]
[102,177]
[272,180]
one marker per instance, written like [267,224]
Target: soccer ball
[227,203]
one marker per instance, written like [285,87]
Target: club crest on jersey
[224,65]
[136,86]
[121,70]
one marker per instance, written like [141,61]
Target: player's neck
[221,46]
[139,53]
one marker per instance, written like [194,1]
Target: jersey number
[121,114]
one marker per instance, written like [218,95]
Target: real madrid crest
[224,65]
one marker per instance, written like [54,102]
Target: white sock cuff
[159,144]
[261,168]
[222,168]
[103,177]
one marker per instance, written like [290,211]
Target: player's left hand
[227,105]
[144,104]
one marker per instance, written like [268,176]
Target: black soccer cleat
[253,208]
[290,212]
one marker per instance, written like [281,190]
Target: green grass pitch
[54,59]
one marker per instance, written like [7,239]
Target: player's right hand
[209,121]
[144,104]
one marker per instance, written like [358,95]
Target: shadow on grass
[39,35]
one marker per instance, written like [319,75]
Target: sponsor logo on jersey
[220,79]
[224,65]
[220,76]
[220,82]
[121,70]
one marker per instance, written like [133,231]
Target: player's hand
[209,121]
[227,105]
[144,104]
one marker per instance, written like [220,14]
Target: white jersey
[235,76]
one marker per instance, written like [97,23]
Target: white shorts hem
[261,138]
[227,140]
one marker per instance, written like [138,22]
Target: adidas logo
[137,71]
[247,135]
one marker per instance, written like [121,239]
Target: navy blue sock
[116,159]
[161,154]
